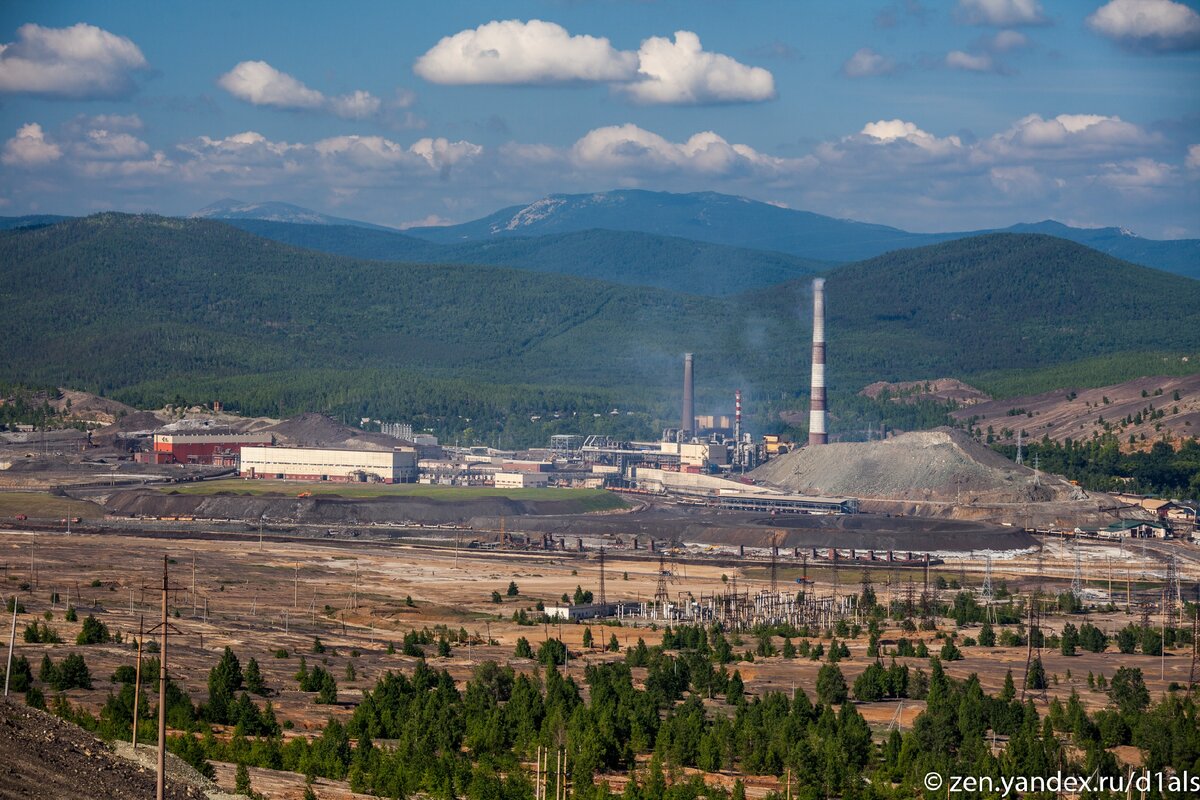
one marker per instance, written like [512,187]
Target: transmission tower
[1077,580]
[1193,675]
[1020,446]
[774,565]
[987,592]
[603,596]
[910,591]
[1171,595]
[660,592]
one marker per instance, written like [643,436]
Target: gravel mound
[143,422]
[332,510]
[942,389]
[943,465]
[318,430]
[42,756]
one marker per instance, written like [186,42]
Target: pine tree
[1036,679]
[254,679]
[241,780]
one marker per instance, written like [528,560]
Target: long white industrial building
[322,464]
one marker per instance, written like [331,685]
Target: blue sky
[924,115]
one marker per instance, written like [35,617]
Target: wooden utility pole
[12,643]
[137,677]
[162,693]
[559,793]
[538,786]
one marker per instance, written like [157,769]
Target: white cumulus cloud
[886,131]
[512,51]
[260,84]
[683,72]
[1001,13]
[970,62]
[1080,131]
[1137,174]
[29,148]
[515,52]
[80,62]
[630,149]
[1006,40]
[1152,25]
[1193,157]
[867,63]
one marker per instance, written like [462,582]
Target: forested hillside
[151,310]
[994,303]
[628,257]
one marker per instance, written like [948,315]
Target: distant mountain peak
[275,211]
[531,214]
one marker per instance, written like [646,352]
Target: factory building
[216,449]
[572,613]
[698,455]
[520,480]
[398,465]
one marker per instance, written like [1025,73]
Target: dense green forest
[635,259]
[153,310]
[1099,465]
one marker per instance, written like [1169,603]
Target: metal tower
[660,592]
[603,596]
[1077,580]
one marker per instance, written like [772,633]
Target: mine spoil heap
[943,472]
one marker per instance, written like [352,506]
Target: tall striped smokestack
[816,414]
[737,415]
[688,417]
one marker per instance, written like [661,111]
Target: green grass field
[38,505]
[593,499]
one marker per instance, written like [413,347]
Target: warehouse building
[520,480]
[398,465]
[216,449]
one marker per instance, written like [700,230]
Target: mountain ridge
[630,258]
[276,211]
[752,223]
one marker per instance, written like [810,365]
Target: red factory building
[215,449]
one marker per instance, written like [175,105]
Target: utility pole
[12,643]
[160,790]
[603,598]
[137,679]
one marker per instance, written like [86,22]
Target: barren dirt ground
[286,593]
